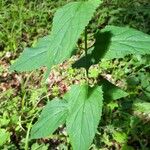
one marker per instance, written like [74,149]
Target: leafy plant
[81,107]
[4,135]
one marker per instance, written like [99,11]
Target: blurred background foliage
[125,123]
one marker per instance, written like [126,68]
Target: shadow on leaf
[97,52]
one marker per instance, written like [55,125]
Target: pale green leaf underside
[123,41]
[85,106]
[68,24]
[53,115]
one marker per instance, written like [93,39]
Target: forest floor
[22,95]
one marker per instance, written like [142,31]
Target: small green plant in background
[81,107]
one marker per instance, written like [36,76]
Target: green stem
[27,136]
[86,48]
[28,132]
[23,89]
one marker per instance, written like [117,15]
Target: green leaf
[141,106]
[53,115]
[141,109]
[37,146]
[117,42]
[85,110]
[111,92]
[33,58]
[68,24]
[120,137]
[4,137]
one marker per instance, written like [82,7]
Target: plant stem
[28,131]
[86,48]
[27,136]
